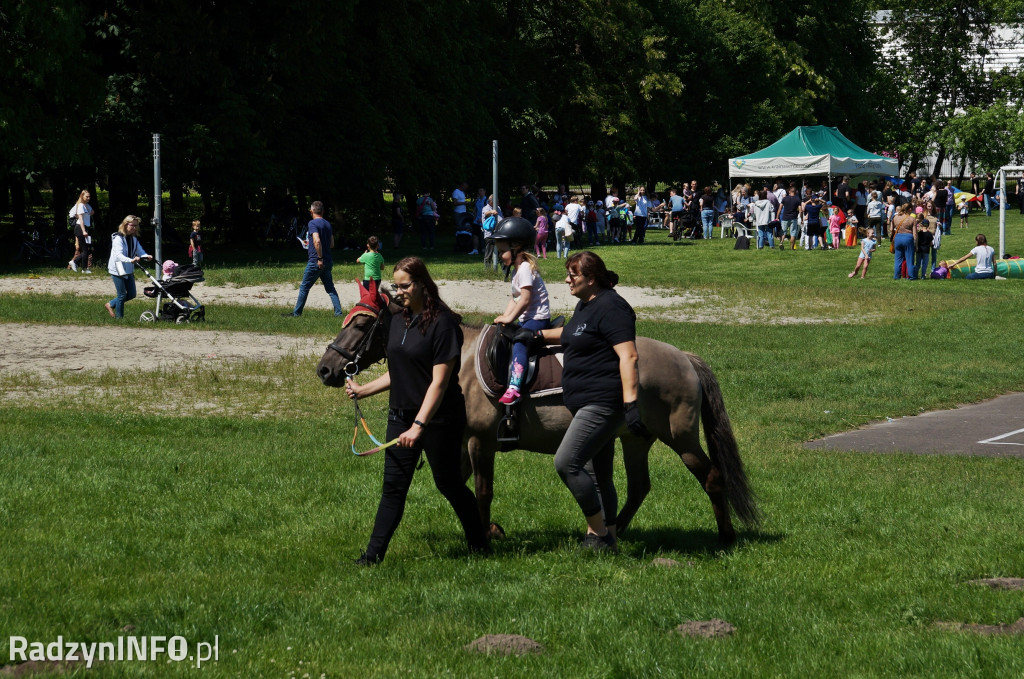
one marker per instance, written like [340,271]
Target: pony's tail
[722,448]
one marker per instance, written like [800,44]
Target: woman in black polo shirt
[427,409]
[600,382]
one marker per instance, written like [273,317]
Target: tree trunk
[5,194]
[939,160]
[18,202]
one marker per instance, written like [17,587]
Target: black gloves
[532,338]
[633,420]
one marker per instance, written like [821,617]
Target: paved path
[993,428]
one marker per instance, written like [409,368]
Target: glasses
[404,287]
[573,276]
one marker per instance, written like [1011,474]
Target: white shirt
[611,201]
[83,209]
[983,253]
[459,198]
[574,212]
[780,193]
[539,307]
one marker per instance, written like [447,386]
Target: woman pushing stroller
[514,238]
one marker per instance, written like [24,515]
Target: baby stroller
[175,290]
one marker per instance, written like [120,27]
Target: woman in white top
[984,254]
[125,252]
[81,212]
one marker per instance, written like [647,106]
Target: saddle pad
[547,382]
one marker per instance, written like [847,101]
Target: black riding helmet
[515,229]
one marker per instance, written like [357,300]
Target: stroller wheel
[197,316]
[147,317]
[181,319]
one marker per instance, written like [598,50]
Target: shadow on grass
[639,543]
[698,541]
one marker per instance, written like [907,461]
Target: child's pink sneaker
[510,396]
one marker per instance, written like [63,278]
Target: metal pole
[494,174]
[1002,212]
[158,209]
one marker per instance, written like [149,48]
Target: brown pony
[677,391]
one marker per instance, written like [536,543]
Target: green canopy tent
[811,150]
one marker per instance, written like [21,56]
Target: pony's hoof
[496,532]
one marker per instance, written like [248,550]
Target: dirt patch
[706,629]
[662,562]
[1000,583]
[1012,629]
[34,667]
[504,644]
[42,349]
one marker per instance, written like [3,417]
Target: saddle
[542,376]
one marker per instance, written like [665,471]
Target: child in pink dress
[541,227]
[835,226]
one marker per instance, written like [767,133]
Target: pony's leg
[635,451]
[710,479]
[481,459]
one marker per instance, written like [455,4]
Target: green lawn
[228,504]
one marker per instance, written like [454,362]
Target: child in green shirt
[372,261]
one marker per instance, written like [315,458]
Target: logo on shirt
[579,330]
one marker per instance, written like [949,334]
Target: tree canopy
[342,99]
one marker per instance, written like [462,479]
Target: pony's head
[361,341]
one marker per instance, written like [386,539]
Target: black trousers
[441,441]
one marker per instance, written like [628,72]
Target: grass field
[228,504]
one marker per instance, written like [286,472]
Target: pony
[678,392]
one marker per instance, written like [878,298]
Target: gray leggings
[584,459]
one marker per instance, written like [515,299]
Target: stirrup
[508,425]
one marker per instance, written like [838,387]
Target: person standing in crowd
[125,253]
[924,237]
[989,192]
[643,205]
[763,213]
[600,387]
[707,212]
[81,213]
[576,215]
[372,262]
[611,205]
[842,198]
[321,240]
[939,203]
[540,247]
[195,244]
[460,214]
[789,217]
[984,255]
[815,224]
[903,241]
[528,203]
[397,218]
[478,219]
[491,216]
[426,218]
[427,410]
[875,211]
[561,240]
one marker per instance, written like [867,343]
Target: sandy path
[40,349]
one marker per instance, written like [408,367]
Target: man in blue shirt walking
[321,240]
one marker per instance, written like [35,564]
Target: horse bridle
[352,366]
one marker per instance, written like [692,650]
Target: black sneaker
[290,314]
[366,560]
[601,543]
